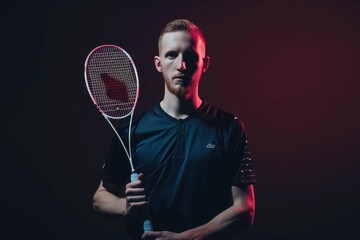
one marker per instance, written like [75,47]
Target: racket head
[112,81]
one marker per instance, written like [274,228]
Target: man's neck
[180,108]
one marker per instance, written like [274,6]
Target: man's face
[181,61]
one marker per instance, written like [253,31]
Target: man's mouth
[181,78]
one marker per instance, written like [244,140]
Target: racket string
[112,81]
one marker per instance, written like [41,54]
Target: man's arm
[240,214]
[105,201]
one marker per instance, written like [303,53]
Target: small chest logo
[210,145]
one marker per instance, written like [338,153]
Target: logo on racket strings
[115,89]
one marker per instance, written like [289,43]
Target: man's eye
[191,57]
[171,55]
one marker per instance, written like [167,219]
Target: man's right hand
[135,195]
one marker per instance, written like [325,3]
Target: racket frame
[88,87]
[147,225]
[106,116]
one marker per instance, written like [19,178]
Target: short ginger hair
[181,25]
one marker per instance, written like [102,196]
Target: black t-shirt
[189,165]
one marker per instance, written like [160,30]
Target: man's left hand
[163,235]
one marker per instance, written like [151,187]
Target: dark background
[288,69]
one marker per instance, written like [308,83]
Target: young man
[196,175]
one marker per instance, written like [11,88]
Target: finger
[136,198]
[139,204]
[135,184]
[152,235]
[134,191]
[141,176]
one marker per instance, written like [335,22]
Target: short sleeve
[242,162]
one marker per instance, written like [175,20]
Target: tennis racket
[113,84]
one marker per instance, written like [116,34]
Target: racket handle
[134,177]
[147,226]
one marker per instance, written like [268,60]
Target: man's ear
[157,63]
[206,61]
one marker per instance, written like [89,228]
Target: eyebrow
[170,52]
[189,49]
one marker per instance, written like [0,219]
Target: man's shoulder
[137,117]
[217,116]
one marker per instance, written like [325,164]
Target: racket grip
[134,177]
[147,226]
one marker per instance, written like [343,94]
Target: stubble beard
[178,90]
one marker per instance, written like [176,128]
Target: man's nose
[181,64]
